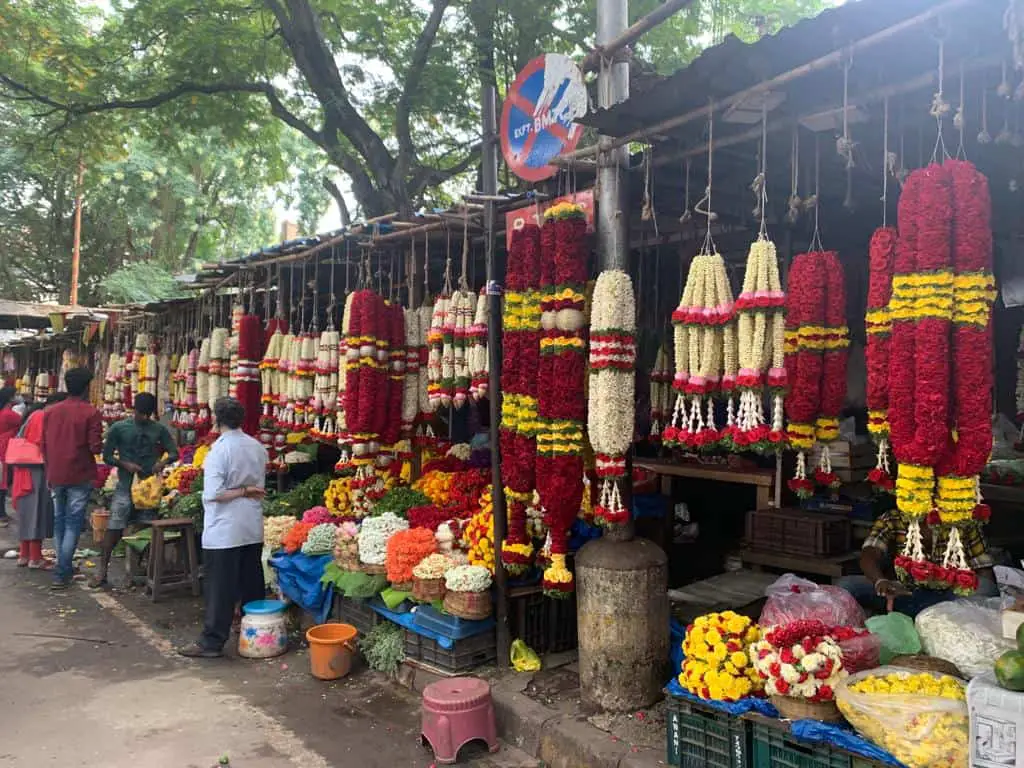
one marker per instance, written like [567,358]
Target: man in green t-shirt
[137,446]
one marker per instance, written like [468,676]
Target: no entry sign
[537,119]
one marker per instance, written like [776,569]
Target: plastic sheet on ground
[298,578]
[741,707]
[817,732]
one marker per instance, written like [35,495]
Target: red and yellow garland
[878,325]
[561,400]
[816,343]
[366,374]
[521,350]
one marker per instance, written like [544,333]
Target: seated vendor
[878,585]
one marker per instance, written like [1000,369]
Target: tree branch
[339,198]
[425,176]
[413,78]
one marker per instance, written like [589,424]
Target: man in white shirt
[233,491]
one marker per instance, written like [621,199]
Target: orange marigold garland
[521,349]
[561,401]
[878,324]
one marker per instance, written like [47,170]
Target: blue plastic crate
[425,617]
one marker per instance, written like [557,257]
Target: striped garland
[438,393]
[561,398]
[611,409]
[661,393]
[340,420]
[366,375]
[479,363]
[518,431]
[878,325]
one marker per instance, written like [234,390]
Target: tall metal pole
[489,180]
[613,184]
[76,249]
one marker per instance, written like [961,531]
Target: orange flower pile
[405,551]
[296,537]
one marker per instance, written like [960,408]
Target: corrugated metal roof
[733,65]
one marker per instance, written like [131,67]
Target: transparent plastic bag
[791,598]
[919,730]
[146,492]
[897,633]
[861,652]
[967,633]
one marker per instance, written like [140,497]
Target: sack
[897,633]
[794,599]
[23,452]
[967,633]
[147,492]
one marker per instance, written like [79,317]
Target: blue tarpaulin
[817,732]
[298,577]
[741,707]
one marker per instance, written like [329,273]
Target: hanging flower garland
[411,384]
[661,393]
[561,399]
[1020,377]
[707,360]
[435,341]
[325,386]
[521,349]
[366,374]
[760,335]
[203,417]
[835,344]
[344,373]
[878,324]
[479,363]
[247,373]
[463,308]
[391,414]
[958,497]
[921,309]
[610,414]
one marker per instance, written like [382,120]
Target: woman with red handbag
[10,421]
[29,492]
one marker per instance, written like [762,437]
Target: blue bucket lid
[263,607]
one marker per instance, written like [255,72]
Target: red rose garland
[517,434]
[366,374]
[561,403]
[247,386]
[881,260]
[835,343]
[392,431]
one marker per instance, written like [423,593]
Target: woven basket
[373,570]
[402,586]
[926,663]
[348,562]
[428,590]
[468,605]
[802,709]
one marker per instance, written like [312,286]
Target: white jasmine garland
[374,534]
[432,567]
[411,386]
[468,578]
[479,363]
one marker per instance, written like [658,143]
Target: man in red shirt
[72,436]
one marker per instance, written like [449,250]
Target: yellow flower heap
[717,664]
[478,535]
[920,718]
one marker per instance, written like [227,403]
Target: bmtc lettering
[539,124]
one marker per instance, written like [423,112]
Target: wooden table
[733,590]
[761,479]
[834,567]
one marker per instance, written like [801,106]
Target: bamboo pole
[816,65]
[639,28]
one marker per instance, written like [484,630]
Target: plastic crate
[358,613]
[463,656]
[447,625]
[775,747]
[699,737]
[545,624]
[795,532]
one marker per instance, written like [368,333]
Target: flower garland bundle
[366,374]
[438,393]
[799,660]
[325,386]
[236,320]
[425,314]
[479,363]
[462,309]
[561,397]
[1020,377]
[268,369]
[921,309]
[282,383]
[878,324]
[320,540]
[432,567]
[705,352]
[390,420]
[815,346]
[112,406]
[761,339]
[716,662]
[191,387]
[467,578]
[305,382]
[247,373]
[296,537]
[220,365]
[478,534]
[374,534]
[610,414]
[202,423]
[411,381]
[661,393]
[179,393]
[958,499]
[340,422]
[521,350]
[405,550]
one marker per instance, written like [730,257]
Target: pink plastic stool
[455,712]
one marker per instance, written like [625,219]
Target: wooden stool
[156,581]
[455,712]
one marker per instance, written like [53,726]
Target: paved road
[91,680]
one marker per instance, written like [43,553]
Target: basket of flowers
[346,547]
[468,593]
[428,582]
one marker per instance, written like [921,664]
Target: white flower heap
[610,414]
[761,337]
[705,352]
[467,578]
[374,534]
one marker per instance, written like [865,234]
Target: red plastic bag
[860,651]
[794,599]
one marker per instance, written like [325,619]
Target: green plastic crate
[701,737]
[775,747]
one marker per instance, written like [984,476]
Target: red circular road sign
[539,113]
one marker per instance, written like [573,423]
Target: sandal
[41,565]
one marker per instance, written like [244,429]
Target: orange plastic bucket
[99,519]
[330,650]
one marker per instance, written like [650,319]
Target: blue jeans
[863,592]
[69,505]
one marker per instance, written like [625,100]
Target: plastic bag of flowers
[919,717]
